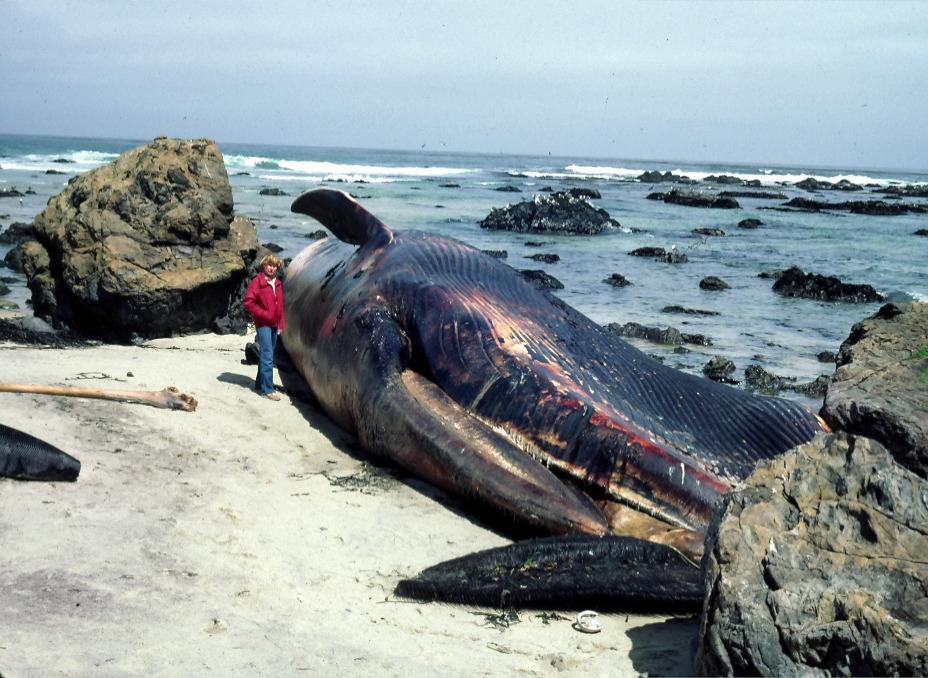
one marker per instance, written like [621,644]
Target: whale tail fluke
[571,572]
[25,457]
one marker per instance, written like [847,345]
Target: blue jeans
[267,342]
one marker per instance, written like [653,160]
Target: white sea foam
[332,171]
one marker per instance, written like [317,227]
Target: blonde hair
[272,259]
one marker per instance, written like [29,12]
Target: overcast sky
[829,84]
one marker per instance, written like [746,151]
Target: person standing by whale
[264,300]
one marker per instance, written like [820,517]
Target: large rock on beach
[144,247]
[880,387]
[564,212]
[815,566]
[795,283]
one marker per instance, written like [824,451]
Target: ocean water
[450,193]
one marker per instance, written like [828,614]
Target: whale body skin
[457,368]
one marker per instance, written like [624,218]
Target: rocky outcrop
[756,378]
[793,282]
[542,280]
[909,190]
[695,199]
[812,184]
[564,212]
[880,387]
[815,566]
[144,247]
[868,207]
[656,177]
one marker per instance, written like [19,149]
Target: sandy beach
[248,538]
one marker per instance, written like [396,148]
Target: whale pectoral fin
[341,214]
[435,438]
[25,457]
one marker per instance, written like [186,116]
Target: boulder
[720,369]
[713,283]
[880,387]
[617,280]
[564,212]
[795,283]
[144,247]
[815,566]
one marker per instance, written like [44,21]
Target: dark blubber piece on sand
[605,573]
[25,457]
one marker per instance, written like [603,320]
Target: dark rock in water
[10,193]
[723,179]
[545,258]
[4,289]
[542,280]
[811,184]
[794,283]
[909,191]
[695,199]
[648,252]
[921,231]
[16,233]
[13,259]
[271,191]
[144,247]
[564,212]
[815,566]
[698,339]
[655,177]
[770,275]
[813,389]
[750,223]
[757,378]
[708,231]
[535,243]
[759,195]
[880,387]
[496,254]
[668,336]
[272,247]
[720,369]
[674,257]
[826,357]
[617,280]
[687,311]
[867,207]
[713,284]
[508,189]
[317,235]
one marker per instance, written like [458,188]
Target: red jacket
[265,306]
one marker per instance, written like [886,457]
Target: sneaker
[272,396]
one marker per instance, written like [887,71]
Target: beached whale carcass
[454,366]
